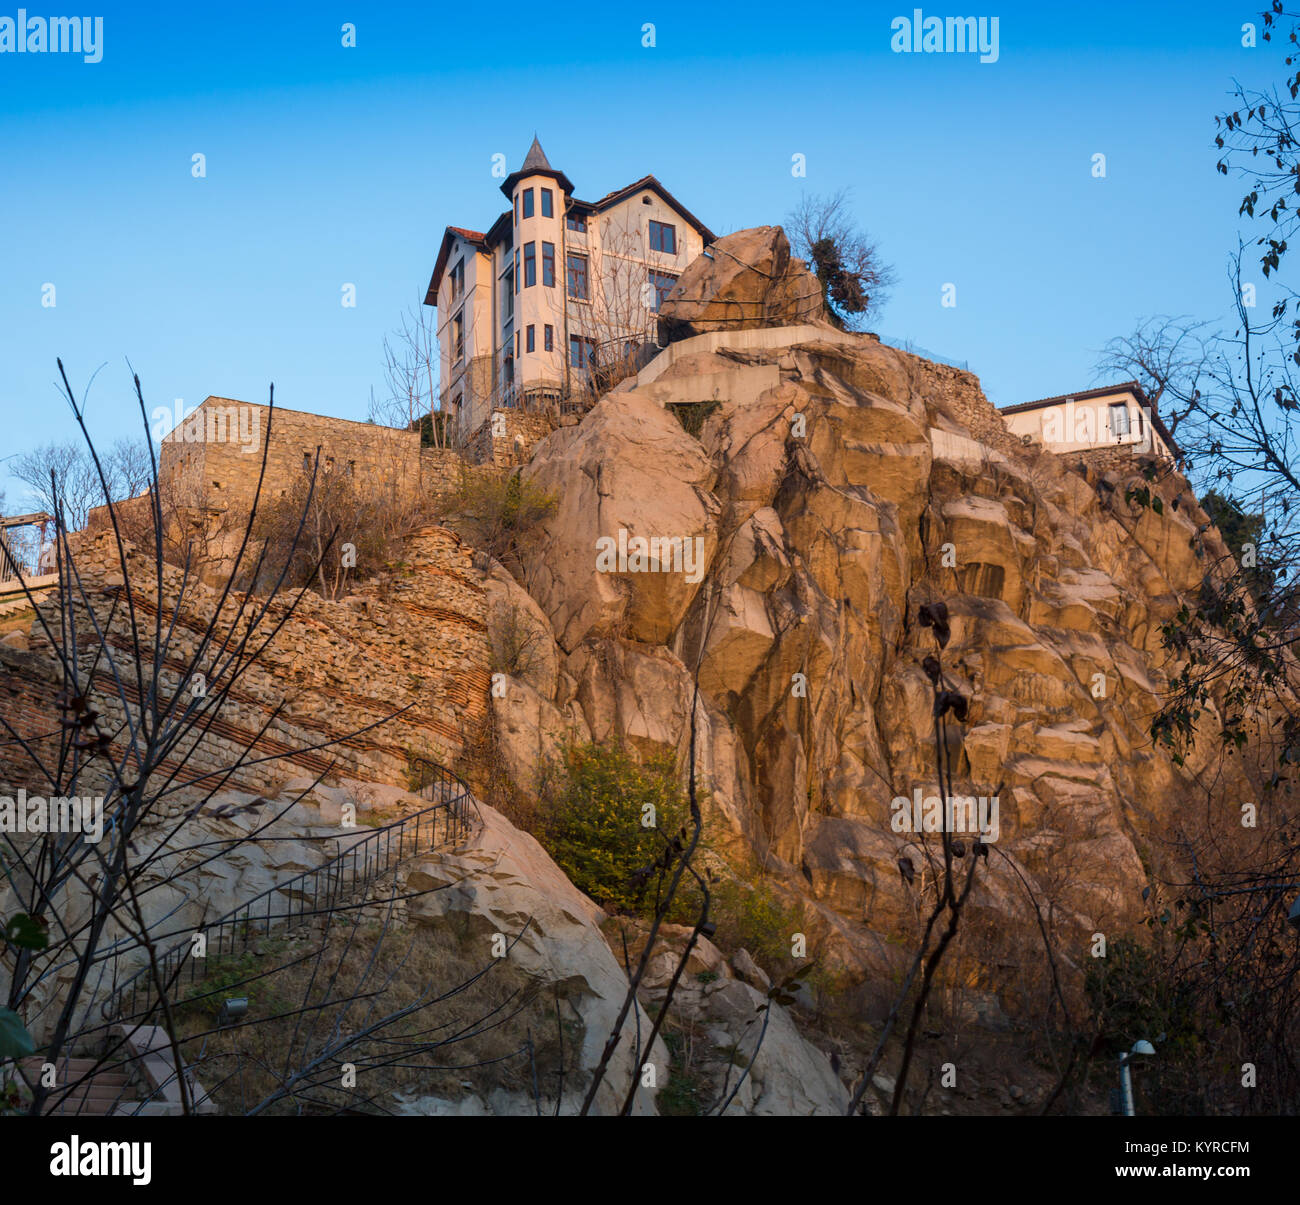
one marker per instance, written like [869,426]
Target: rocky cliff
[834,486]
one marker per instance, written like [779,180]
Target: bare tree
[64,476]
[855,280]
[80,911]
[1169,357]
[411,374]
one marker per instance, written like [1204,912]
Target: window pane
[576,222]
[662,282]
[530,341]
[578,277]
[546,202]
[530,265]
[528,202]
[548,264]
[548,338]
[663,237]
[1119,424]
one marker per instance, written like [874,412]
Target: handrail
[326,886]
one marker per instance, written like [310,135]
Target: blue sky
[329,165]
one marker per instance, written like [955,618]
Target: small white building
[555,291]
[1117,416]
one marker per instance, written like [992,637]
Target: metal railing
[310,894]
[908,346]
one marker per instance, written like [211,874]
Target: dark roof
[651,183]
[450,235]
[1087,395]
[536,164]
[536,158]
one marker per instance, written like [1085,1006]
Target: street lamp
[1140,1048]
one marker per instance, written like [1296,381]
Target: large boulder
[746,279]
[629,474]
[503,882]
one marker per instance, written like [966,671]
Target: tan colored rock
[745,279]
[504,882]
[628,472]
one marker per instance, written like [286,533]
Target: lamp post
[1140,1048]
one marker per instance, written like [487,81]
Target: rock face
[746,279]
[835,488]
[504,882]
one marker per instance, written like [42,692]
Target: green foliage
[592,812]
[1133,995]
[27,932]
[681,1096]
[757,919]
[15,1041]
[437,430]
[693,415]
[1238,528]
[244,974]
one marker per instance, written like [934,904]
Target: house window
[662,283]
[528,202]
[663,237]
[306,462]
[547,210]
[548,265]
[576,222]
[582,351]
[530,341]
[578,277]
[329,464]
[548,337]
[458,280]
[530,265]
[458,336]
[1119,424]
[517,342]
[516,269]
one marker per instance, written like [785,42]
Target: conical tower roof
[536,159]
[536,164]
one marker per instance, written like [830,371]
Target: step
[71,1070]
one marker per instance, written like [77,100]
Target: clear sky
[329,165]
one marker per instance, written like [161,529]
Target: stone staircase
[139,1080]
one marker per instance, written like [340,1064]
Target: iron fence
[313,893]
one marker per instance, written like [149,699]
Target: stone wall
[215,455]
[957,393]
[413,642]
[523,431]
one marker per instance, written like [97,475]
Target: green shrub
[1133,994]
[759,920]
[592,812]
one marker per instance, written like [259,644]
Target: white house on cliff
[554,289]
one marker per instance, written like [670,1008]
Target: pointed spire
[536,159]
